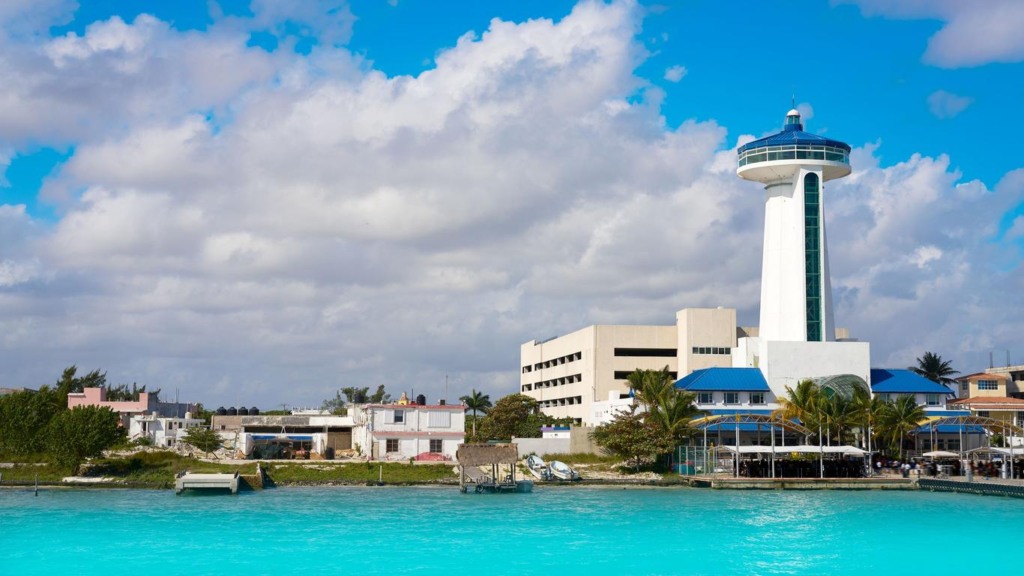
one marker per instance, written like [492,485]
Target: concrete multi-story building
[569,374]
[147,403]
[164,431]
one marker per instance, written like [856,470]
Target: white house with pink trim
[404,431]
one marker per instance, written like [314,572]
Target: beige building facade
[567,375]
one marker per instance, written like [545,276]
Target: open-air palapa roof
[487,454]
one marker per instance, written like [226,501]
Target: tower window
[812,256]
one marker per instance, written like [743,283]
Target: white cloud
[944,104]
[675,73]
[1016,229]
[328,225]
[974,33]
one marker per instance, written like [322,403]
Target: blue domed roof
[793,134]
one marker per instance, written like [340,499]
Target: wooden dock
[204,482]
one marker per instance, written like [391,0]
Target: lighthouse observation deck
[780,155]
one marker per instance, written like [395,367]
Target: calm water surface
[554,530]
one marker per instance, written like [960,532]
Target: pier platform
[992,487]
[189,481]
[874,483]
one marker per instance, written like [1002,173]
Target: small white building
[408,431]
[164,431]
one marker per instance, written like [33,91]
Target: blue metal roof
[950,429]
[727,379]
[884,381]
[791,138]
[947,412]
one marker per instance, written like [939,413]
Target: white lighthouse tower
[793,165]
[797,335]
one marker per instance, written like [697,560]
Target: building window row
[646,352]
[711,350]
[567,401]
[554,362]
[933,400]
[571,379]
[624,374]
[988,385]
[752,398]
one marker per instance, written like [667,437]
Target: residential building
[147,403]
[163,431]
[408,431]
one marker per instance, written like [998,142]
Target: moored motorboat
[562,471]
[538,467]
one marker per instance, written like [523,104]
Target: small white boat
[538,467]
[562,471]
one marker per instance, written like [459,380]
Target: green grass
[26,474]
[360,473]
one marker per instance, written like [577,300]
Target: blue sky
[237,198]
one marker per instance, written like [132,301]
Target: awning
[801,449]
[284,437]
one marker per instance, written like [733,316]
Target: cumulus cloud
[675,73]
[944,104]
[282,226]
[974,33]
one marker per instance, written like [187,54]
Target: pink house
[98,397]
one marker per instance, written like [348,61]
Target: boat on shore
[563,471]
[538,467]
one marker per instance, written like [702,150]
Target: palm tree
[802,404]
[477,402]
[673,413]
[867,409]
[651,386]
[839,413]
[934,368]
[898,419]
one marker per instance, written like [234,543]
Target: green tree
[867,409]
[934,368]
[122,393]
[24,417]
[70,383]
[82,432]
[801,404]
[203,438]
[356,395]
[651,386]
[898,419]
[673,413]
[335,405]
[838,414]
[380,396]
[633,437]
[514,415]
[476,402]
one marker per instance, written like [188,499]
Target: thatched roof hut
[487,454]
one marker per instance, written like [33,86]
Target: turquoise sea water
[578,530]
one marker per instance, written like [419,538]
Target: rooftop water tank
[254,411]
[221,411]
[232,411]
[421,400]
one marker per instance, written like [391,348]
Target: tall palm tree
[477,402]
[673,412]
[651,386]
[898,419]
[802,404]
[839,414]
[867,409]
[934,368]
